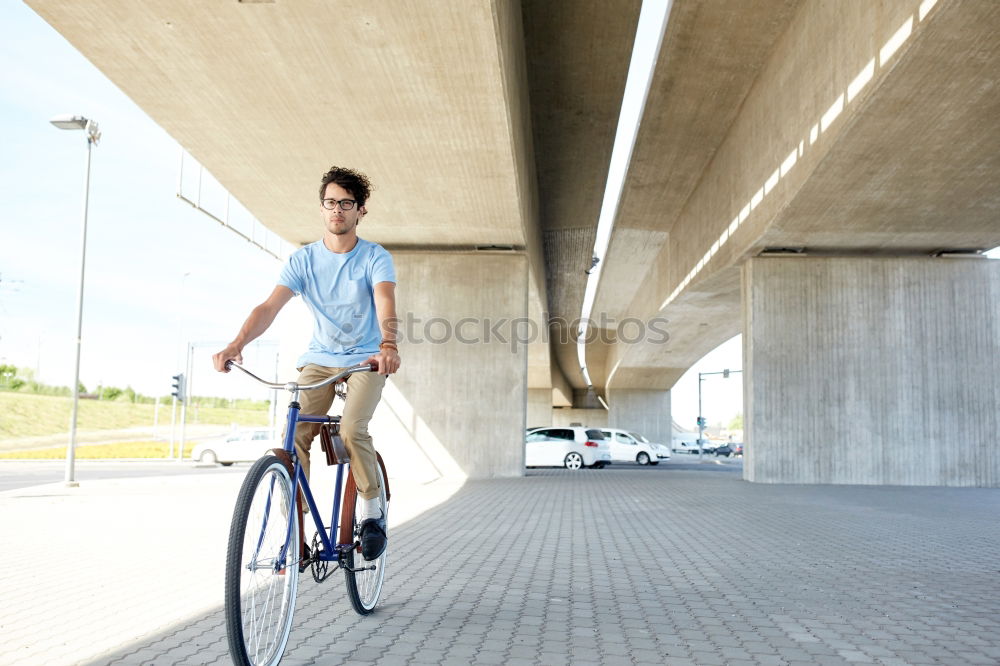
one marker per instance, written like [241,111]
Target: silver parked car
[241,446]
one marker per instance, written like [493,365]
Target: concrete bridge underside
[844,130]
[834,129]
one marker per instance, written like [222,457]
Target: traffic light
[702,422]
[725,373]
[178,387]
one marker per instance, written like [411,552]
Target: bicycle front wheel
[365,577]
[260,584]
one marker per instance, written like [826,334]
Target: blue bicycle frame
[329,552]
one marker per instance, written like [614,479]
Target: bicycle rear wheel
[260,589]
[365,577]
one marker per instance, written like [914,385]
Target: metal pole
[701,428]
[180,172]
[156,416]
[274,394]
[201,172]
[71,449]
[173,425]
[184,402]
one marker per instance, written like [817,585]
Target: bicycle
[267,549]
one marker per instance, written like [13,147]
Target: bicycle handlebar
[293,386]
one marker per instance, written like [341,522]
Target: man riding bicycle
[349,285]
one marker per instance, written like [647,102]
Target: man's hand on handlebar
[230,353]
[386,361]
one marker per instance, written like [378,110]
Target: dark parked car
[730,449]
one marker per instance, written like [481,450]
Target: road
[193,432]
[16,474]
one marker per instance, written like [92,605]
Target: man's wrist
[388,344]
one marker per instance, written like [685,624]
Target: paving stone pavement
[677,564]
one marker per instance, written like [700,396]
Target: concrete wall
[872,371]
[645,412]
[457,406]
[564,416]
[539,407]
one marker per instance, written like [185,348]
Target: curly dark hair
[353,181]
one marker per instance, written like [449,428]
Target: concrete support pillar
[872,371]
[457,407]
[646,412]
[539,407]
[567,416]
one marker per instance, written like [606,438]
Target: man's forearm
[387,322]
[261,317]
[385,311]
[259,320]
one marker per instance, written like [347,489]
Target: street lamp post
[93,136]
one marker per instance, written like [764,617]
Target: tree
[736,423]
[110,392]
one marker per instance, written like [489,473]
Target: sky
[159,273]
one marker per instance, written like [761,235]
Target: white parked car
[691,445]
[662,451]
[240,446]
[571,447]
[684,442]
[628,446]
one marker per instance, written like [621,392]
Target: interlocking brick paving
[677,564]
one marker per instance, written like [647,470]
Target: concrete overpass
[799,161]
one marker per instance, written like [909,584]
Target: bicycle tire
[365,587]
[260,600]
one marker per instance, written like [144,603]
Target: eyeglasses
[344,204]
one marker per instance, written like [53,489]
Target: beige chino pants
[364,390]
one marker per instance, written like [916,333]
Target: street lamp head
[69,122]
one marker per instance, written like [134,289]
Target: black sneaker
[373,538]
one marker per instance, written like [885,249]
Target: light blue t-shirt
[338,288]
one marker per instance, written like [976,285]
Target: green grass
[28,415]
[98,451]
